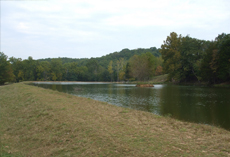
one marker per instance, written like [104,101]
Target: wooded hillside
[185,59]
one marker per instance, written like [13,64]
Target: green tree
[93,69]
[170,51]
[208,64]
[151,64]
[215,66]
[43,71]
[110,69]
[120,69]
[6,72]
[128,74]
[17,67]
[82,73]
[56,69]
[223,57]
[29,69]
[191,56]
[182,57]
[143,66]
[20,75]
[71,71]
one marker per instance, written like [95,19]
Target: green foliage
[70,71]
[188,59]
[56,70]
[223,71]
[6,71]
[128,72]
[93,69]
[106,68]
[171,55]
[207,65]
[43,71]
[104,60]
[110,69]
[191,56]
[17,66]
[120,69]
[216,63]
[182,57]
[143,66]
[29,66]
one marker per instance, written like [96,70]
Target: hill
[104,60]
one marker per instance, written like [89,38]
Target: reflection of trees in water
[169,102]
[181,104]
[219,107]
[195,104]
[144,99]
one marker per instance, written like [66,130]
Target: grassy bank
[161,79]
[41,122]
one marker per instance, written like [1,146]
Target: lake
[206,105]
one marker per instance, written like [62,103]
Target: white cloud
[99,22]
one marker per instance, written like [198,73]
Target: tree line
[188,59]
[185,59]
[94,69]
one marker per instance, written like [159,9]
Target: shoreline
[43,122]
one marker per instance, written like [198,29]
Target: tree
[171,56]
[182,57]
[143,66]
[17,67]
[43,71]
[159,70]
[93,69]
[110,69]
[223,57]
[70,71]
[151,64]
[82,73]
[128,74]
[191,56]
[29,69]
[215,66]
[56,69]
[120,68]
[6,72]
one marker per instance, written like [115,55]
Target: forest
[185,59]
[188,59]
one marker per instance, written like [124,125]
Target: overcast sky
[93,28]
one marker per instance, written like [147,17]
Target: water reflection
[195,104]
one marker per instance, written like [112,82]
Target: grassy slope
[160,79]
[41,122]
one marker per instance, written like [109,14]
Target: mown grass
[42,122]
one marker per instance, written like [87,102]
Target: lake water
[206,105]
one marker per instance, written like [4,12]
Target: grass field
[41,122]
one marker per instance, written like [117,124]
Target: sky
[95,28]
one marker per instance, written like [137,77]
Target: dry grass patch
[41,122]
